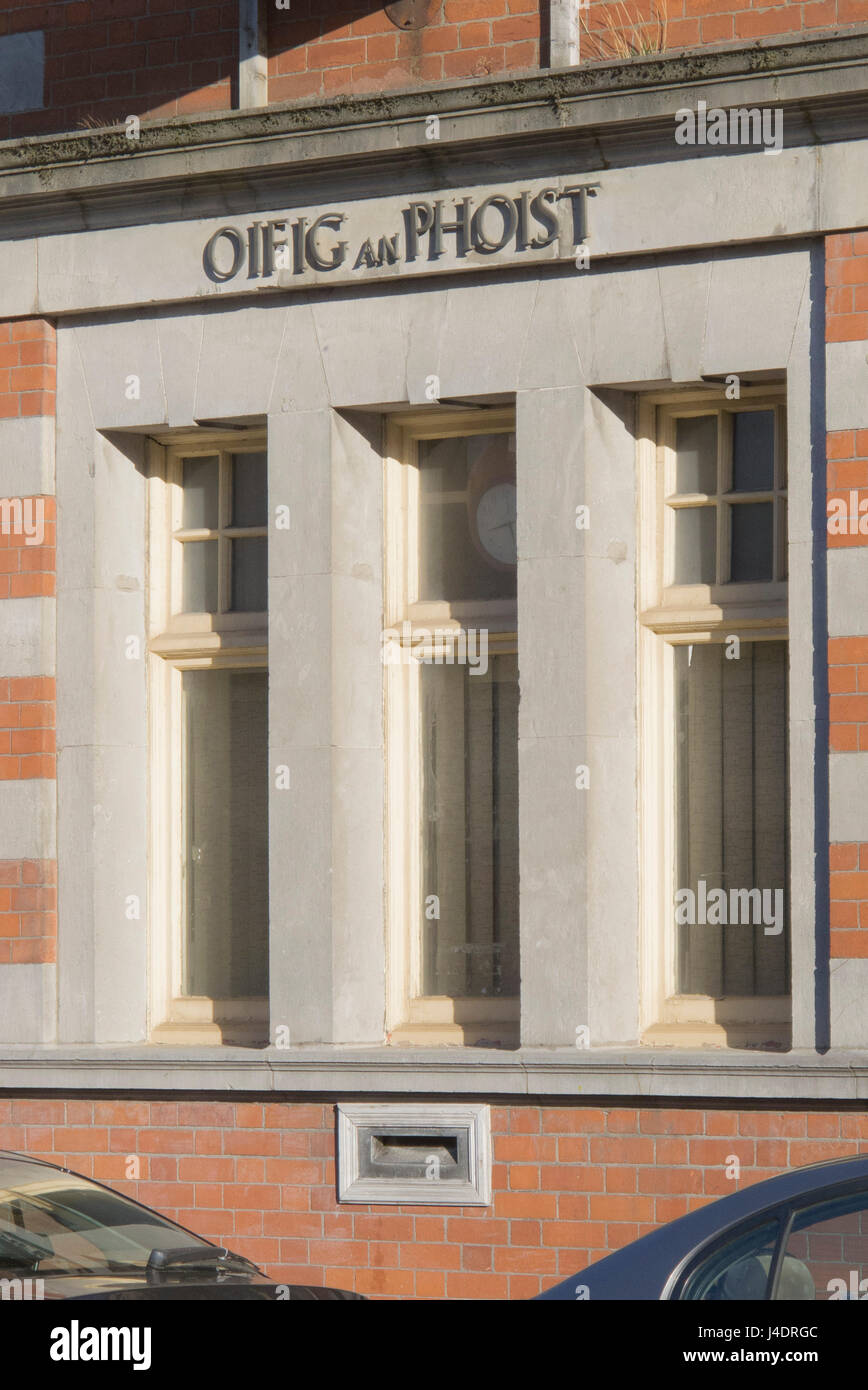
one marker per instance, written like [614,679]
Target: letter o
[234,237]
[507,209]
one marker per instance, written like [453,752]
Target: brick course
[848,870]
[848,694]
[28,911]
[570,1183]
[849,900]
[28,354]
[27,569]
[27,724]
[847,283]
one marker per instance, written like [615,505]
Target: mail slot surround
[430,1155]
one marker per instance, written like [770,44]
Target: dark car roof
[640,1270]
[43,1162]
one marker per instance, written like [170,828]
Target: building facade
[433,619]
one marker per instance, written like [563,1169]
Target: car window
[53,1222]
[826,1254]
[737,1269]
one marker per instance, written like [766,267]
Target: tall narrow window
[469,726]
[225,847]
[731,819]
[715,715]
[209,677]
[452,691]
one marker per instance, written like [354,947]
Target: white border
[474,1119]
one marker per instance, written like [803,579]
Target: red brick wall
[28,893]
[847,483]
[26,569]
[847,479]
[847,282]
[654,25]
[319,48]
[28,353]
[108,59]
[848,694]
[571,1183]
[28,911]
[27,722]
[848,868]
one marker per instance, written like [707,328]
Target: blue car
[802,1236]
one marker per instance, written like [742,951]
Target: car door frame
[783,1211]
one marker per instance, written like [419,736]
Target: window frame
[410,1015]
[778,1214]
[723,499]
[667,617]
[785,1212]
[178,642]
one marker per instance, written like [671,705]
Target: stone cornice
[598,115]
[802,1077]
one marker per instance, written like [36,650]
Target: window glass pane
[751,555]
[696,454]
[226,813]
[730,907]
[200,577]
[250,575]
[249,489]
[467,547]
[695,545]
[201,479]
[737,1271]
[827,1251]
[470,828]
[753,450]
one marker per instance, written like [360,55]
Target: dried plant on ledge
[617,35]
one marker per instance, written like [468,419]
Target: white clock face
[495,522]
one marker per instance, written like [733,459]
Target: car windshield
[56,1223]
